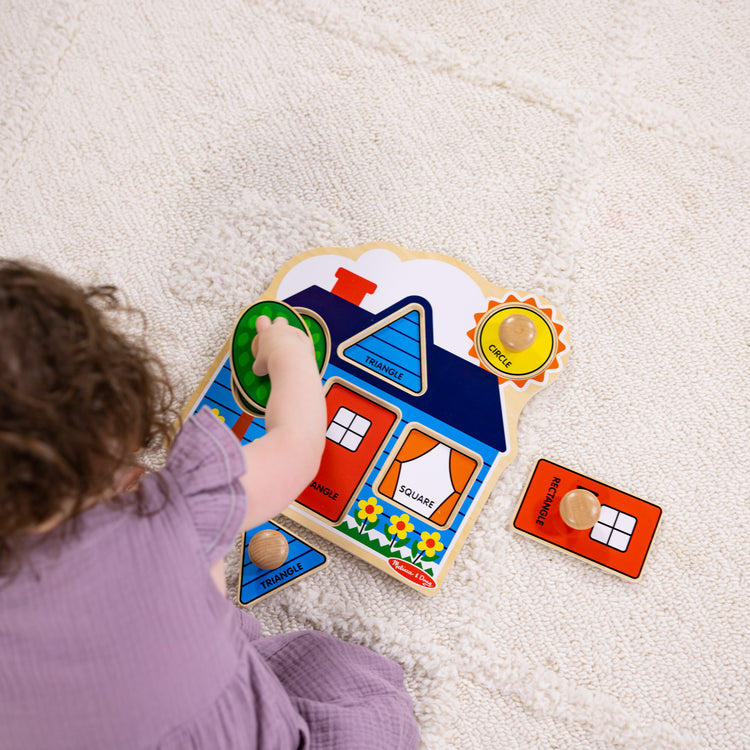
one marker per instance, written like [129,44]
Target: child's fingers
[262,323]
[272,335]
[259,344]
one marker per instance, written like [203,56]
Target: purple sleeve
[206,463]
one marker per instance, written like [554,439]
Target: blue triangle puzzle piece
[255,583]
[393,349]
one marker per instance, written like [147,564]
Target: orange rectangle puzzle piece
[620,540]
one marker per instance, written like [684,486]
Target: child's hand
[274,338]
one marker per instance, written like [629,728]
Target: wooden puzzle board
[423,398]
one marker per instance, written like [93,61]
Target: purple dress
[119,638]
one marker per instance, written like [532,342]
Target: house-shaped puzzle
[418,430]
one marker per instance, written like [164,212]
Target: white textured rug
[597,153]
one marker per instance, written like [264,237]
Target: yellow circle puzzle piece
[516,341]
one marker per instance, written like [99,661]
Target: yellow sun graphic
[518,340]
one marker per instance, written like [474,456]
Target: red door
[358,428]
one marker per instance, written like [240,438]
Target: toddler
[115,630]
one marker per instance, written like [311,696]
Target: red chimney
[351,287]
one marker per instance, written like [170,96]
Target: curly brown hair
[77,399]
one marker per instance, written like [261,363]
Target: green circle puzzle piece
[256,388]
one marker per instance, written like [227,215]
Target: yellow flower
[430,543]
[216,412]
[369,509]
[400,526]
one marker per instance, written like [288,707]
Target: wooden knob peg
[580,509]
[268,549]
[517,332]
